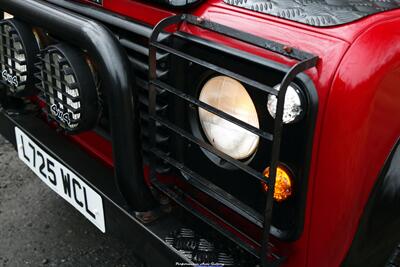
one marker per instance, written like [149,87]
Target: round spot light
[294,107]
[18,55]
[68,87]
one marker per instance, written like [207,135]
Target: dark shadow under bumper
[145,240]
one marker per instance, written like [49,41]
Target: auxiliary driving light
[294,104]
[18,50]
[283,183]
[68,87]
[229,96]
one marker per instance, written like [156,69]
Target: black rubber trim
[378,232]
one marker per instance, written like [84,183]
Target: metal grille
[59,88]
[195,179]
[135,38]
[13,59]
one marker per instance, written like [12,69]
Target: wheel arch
[381,218]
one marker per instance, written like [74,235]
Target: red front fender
[361,126]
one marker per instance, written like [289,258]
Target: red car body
[357,75]
[358,122]
[358,118]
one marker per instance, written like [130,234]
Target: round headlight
[229,96]
[294,104]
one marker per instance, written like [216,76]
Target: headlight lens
[294,104]
[229,96]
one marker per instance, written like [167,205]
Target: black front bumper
[145,240]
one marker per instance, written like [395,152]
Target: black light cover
[18,50]
[68,87]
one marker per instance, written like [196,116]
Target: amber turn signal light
[283,183]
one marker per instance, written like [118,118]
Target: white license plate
[61,179]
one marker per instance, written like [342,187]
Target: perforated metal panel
[198,249]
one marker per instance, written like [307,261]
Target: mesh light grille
[18,48]
[68,88]
[61,94]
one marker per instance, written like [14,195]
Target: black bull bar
[114,69]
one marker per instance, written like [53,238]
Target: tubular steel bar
[216,68]
[152,88]
[276,144]
[212,190]
[307,61]
[180,196]
[104,16]
[210,148]
[114,67]
[213,110]
[249,38]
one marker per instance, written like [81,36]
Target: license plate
[61,179]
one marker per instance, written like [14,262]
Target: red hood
[347,32]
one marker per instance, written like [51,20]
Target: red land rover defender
[215,133]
